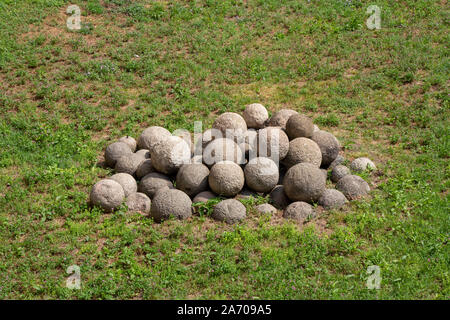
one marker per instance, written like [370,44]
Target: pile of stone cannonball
[285,156]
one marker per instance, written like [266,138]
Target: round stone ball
[230,211]
[298,126]
[226,178]
[328,144]
[273,143]
[299,211]
[192,178]
[138,202]
[151,136]
[130,141]
[170,154]
[362,164]
[107,194]
[339,159]
[128,163]
[255,115]
[280,118]
[332,199]
[114,151]
[204,196]
[266,208]
[127,182]
[278,197]
[353,187]
[304,182]
[222,150]
[144,168]
[339,172]
[171,203]
[261,174]
[303,150]
[231,124]
[150,183]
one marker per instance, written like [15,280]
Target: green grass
[65,95]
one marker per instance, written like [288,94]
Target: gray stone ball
[231,125]
[144,168]
[255,115]
[303,150]
[362,164]
[298,126]
[204,196]
[299,211]
[151,136]
[332,199]
[230,211]
[339,159]
[153,181]
[127,182]
[138,202]
[353,187]
[261,174]
[266,208]
[339,172]
[328,144]
[192,178]
[171,203]
[107,194]
[226,178]
[128,163]
[222,149]
[273,142]
[170,154]
[114,151]
[278,197]
[304,182]
[130,141]
[280,118]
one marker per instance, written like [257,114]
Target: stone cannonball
[138,202]
[150,183]
[266,208]
[128,163]
[332,199]
[328,144]
[280,118]
[114,151]
[362,164]
[261,174]
[130,141]
[107,194]
[151,136]
[170,154]
[299,211]
[298,126]
[278,197]
[222,150]
[127,182]
[144,168]
[255,115]
[230,211]
[231,124]
[204,196]
[226,178]
[304,182]
[339,172]
[171,203]
[272,143]
[353,187]
[192,178]
[303,150]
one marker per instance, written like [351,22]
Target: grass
[64,95]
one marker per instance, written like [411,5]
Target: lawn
[65,95]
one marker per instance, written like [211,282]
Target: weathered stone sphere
[328,144]
[255,115]
[171,203]
[138,202]
[299,211]
[229,210]
[151,136]
[273,143]
[226,178]
[222,150]
[204,196]
[280,118]
[192,178]
[304,182]
[303,150]
[353,187]
[339,159]
[266,208]
[170,154]
[339,172]
[114,151]
[298,126]
[144,168]
[231,124]
[362,164]
[150,183]
[130,141]
[127,182]
[332,199]
[261,174]
[128,163]
[278,197]
[107,194]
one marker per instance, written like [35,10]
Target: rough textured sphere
[114,151]
[303,150]
[261,174]
[362,164]
[127,182]
[128,163]
[138,202]
[144,153]
[339,172]
[229,210]
[151,136]
[107,194]
[255,115]
[304,182]
[226,178]
[192,178]
[299,211]
[273,142]
[278,197]
[280,118]
[170,154]
[222,150]
[152,182]
[339,159]
[328,144]
[353,187]
[230,124]
[266,208]
[130,141]
[204,196]
[144,168]
[332,199]
[298,126]
[171,203]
